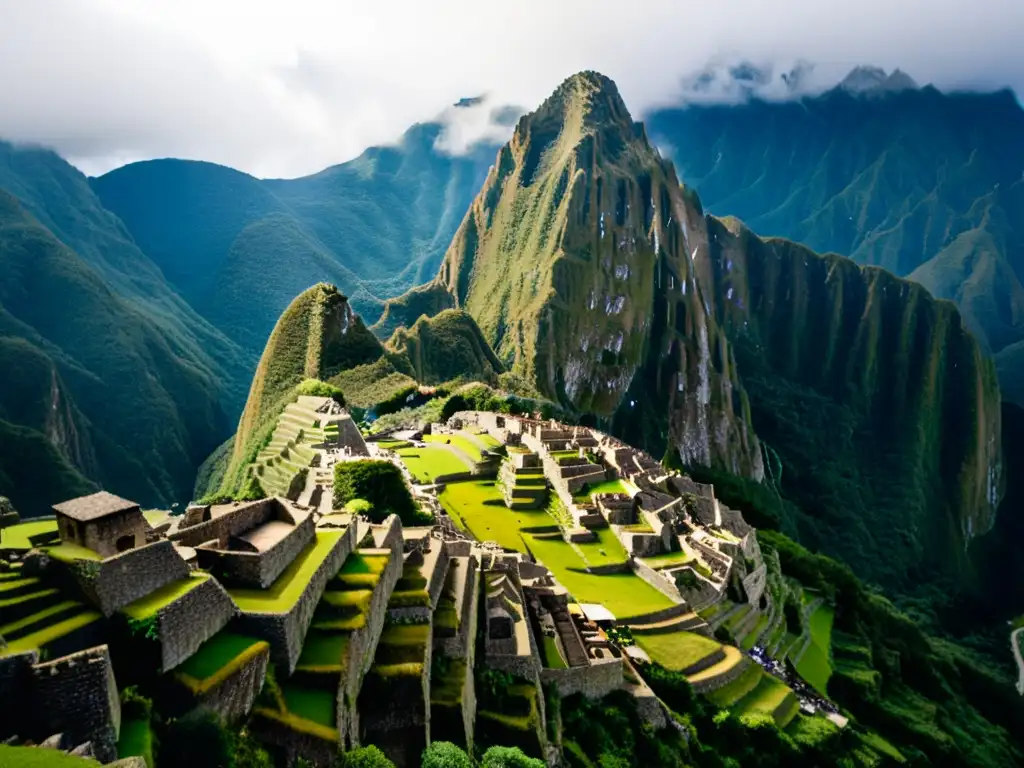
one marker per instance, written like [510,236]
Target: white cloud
[288,88]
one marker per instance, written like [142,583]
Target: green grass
[215,654]
[68,552]
[48,634]
[730,693]
[669,559]
[34,757]
[136,740]
[624,594]
[284,593]
[8,629]
[677,650]
[765,698]
[427,463]
[149,605]
[552,656]
[608,486]
[477,507]
[882,745]
[313,704]
[751,637]
[490,443]
[814,666]
[405,634]
[323,649]
[463,443]
[16,536]
[156,517]
[359,563]
[607,550]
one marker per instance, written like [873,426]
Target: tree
[444,754]
[196,741]
[364,757]
[509,757]
[378,482]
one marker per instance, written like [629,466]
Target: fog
[279,89]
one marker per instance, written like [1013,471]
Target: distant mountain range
[928,185]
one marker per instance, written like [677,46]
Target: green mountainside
[927,185]
[319,337]
[99,388]
[595,275]
[573,260]
[879,408]
[374,226]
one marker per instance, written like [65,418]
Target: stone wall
[714,683]
[15,688]
[236,521]
[642,544]
[362,643]
[657,580]
[258,569]
[102,535]
[234,696]
[286,631]
[754,583]
[594,681]
[191,620]
[76,695]
[117,581]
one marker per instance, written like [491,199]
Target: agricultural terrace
[459,440]
[282,595]
[608,486]
[677,650]
[427,463]
[770,697]
[151,604]
[476,506]
[17,536]
[813,666]
[217,658]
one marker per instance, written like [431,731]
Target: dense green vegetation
[446,347]
[374,226]
[922,183]
[111,379]
[879,413]
[380,483]
[933,699]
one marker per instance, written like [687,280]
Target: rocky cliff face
[866,386]
[593,272]
[576,260]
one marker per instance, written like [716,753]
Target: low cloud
[286,89]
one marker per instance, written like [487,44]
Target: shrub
[196,741]
[135,706]
[364,757]
[358,507]
[509,757]
[444,754]
[379,483]
[316,388]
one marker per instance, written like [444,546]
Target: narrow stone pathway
[1015,641]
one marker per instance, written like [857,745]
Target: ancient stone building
[102,522]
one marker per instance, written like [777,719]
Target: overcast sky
[289,87]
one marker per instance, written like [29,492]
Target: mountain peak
[871,80]
[588,97]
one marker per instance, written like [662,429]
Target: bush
[364,757]
[444,754]
[359,507]
[379,483]
[135,706]
[316,388]
[196,741]
[509,757]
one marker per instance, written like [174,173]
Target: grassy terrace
[609,486]
[551,654]
[461,441]
[770,696]
[729,694]
[747,642]
[814,666]
[68,552]
[482,437]
[424,464]
[284,593]
[217,658]
[136,740]
[401,650]
[16,536]
[308,703]
[607,550]
[476,506]
[34,757]
[669,560]
[677,650]
[151,604]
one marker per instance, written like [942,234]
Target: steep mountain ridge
[926,184]
[579,237]
[96,391]
[374,226]
[592,272]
